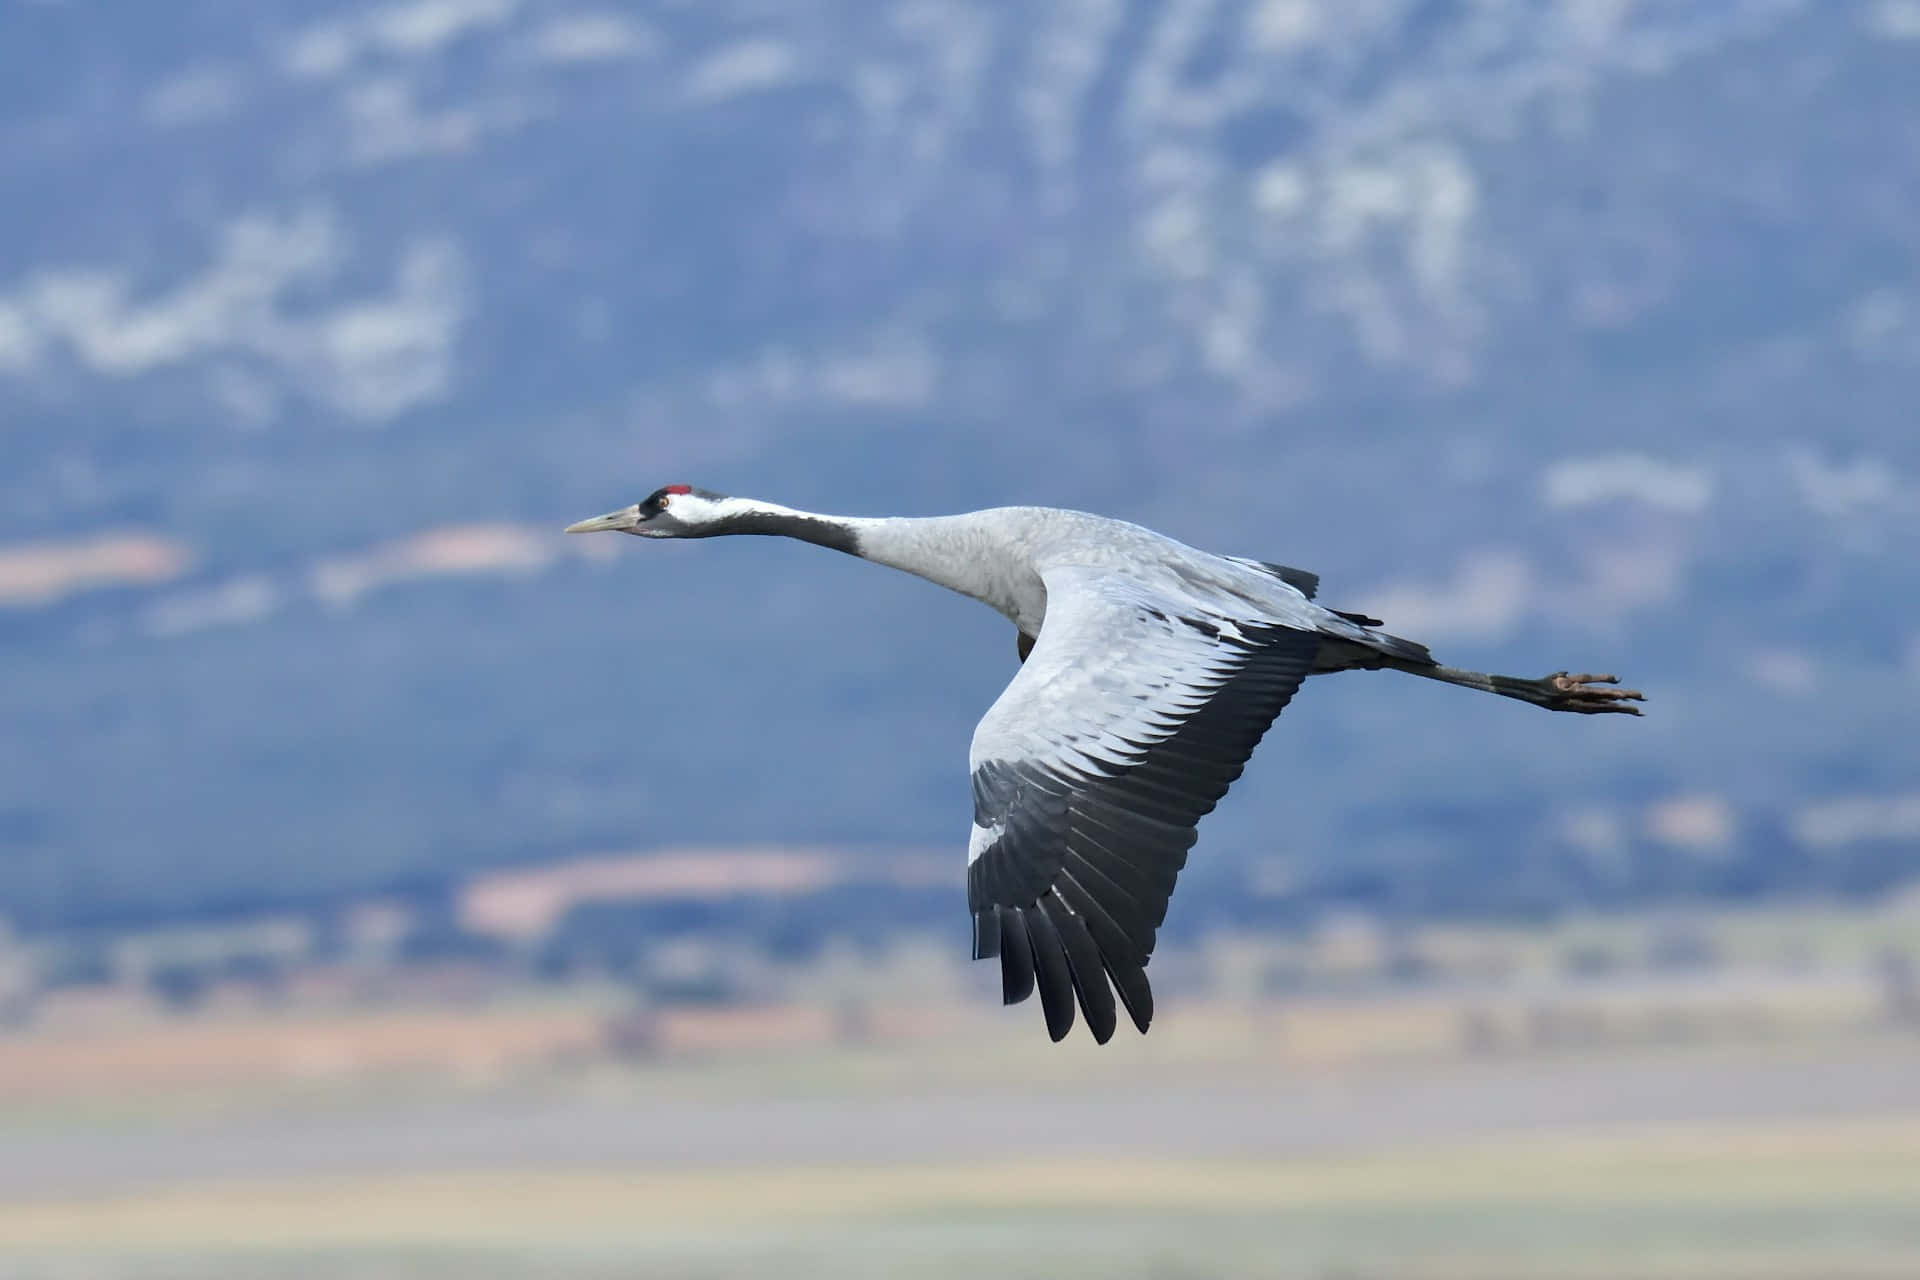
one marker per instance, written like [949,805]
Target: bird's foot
[1587,694]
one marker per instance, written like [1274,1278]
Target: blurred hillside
[1557,334]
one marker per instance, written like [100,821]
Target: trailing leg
[1561,691]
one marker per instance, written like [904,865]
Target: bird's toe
[1590,694]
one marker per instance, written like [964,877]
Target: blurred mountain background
[1580,334]
[391,885]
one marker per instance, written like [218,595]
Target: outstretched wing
[1125,726]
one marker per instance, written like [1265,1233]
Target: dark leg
[1587,694]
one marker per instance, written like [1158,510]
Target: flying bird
[1149,672]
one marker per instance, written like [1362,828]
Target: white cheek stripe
[691,508]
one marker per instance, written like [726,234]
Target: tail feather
[1405,650]
[1308,584]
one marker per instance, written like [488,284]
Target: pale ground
[1216,1147]
[1760,1119]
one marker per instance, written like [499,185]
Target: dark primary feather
[1016,958]
[1071,893]
[1299,579]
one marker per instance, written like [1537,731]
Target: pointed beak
[625,518]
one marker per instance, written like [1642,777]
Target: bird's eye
[660,503]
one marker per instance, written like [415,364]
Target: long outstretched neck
[951,551]
[841,533]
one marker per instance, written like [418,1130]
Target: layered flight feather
[1125,726]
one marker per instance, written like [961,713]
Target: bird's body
[1150,671]
[1001,557]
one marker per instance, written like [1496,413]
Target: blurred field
[1514,1109]
[1824,1200]
[1788,1159]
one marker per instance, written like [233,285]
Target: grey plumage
[1153,673]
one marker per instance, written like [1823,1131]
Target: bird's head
[673,511]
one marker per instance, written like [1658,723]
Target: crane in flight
[1149,672]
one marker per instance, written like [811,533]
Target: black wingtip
[1123,957]
[1016,957]
[1052,975]
[1301,580]
[1136,995]
[1084,966]
[986,934]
